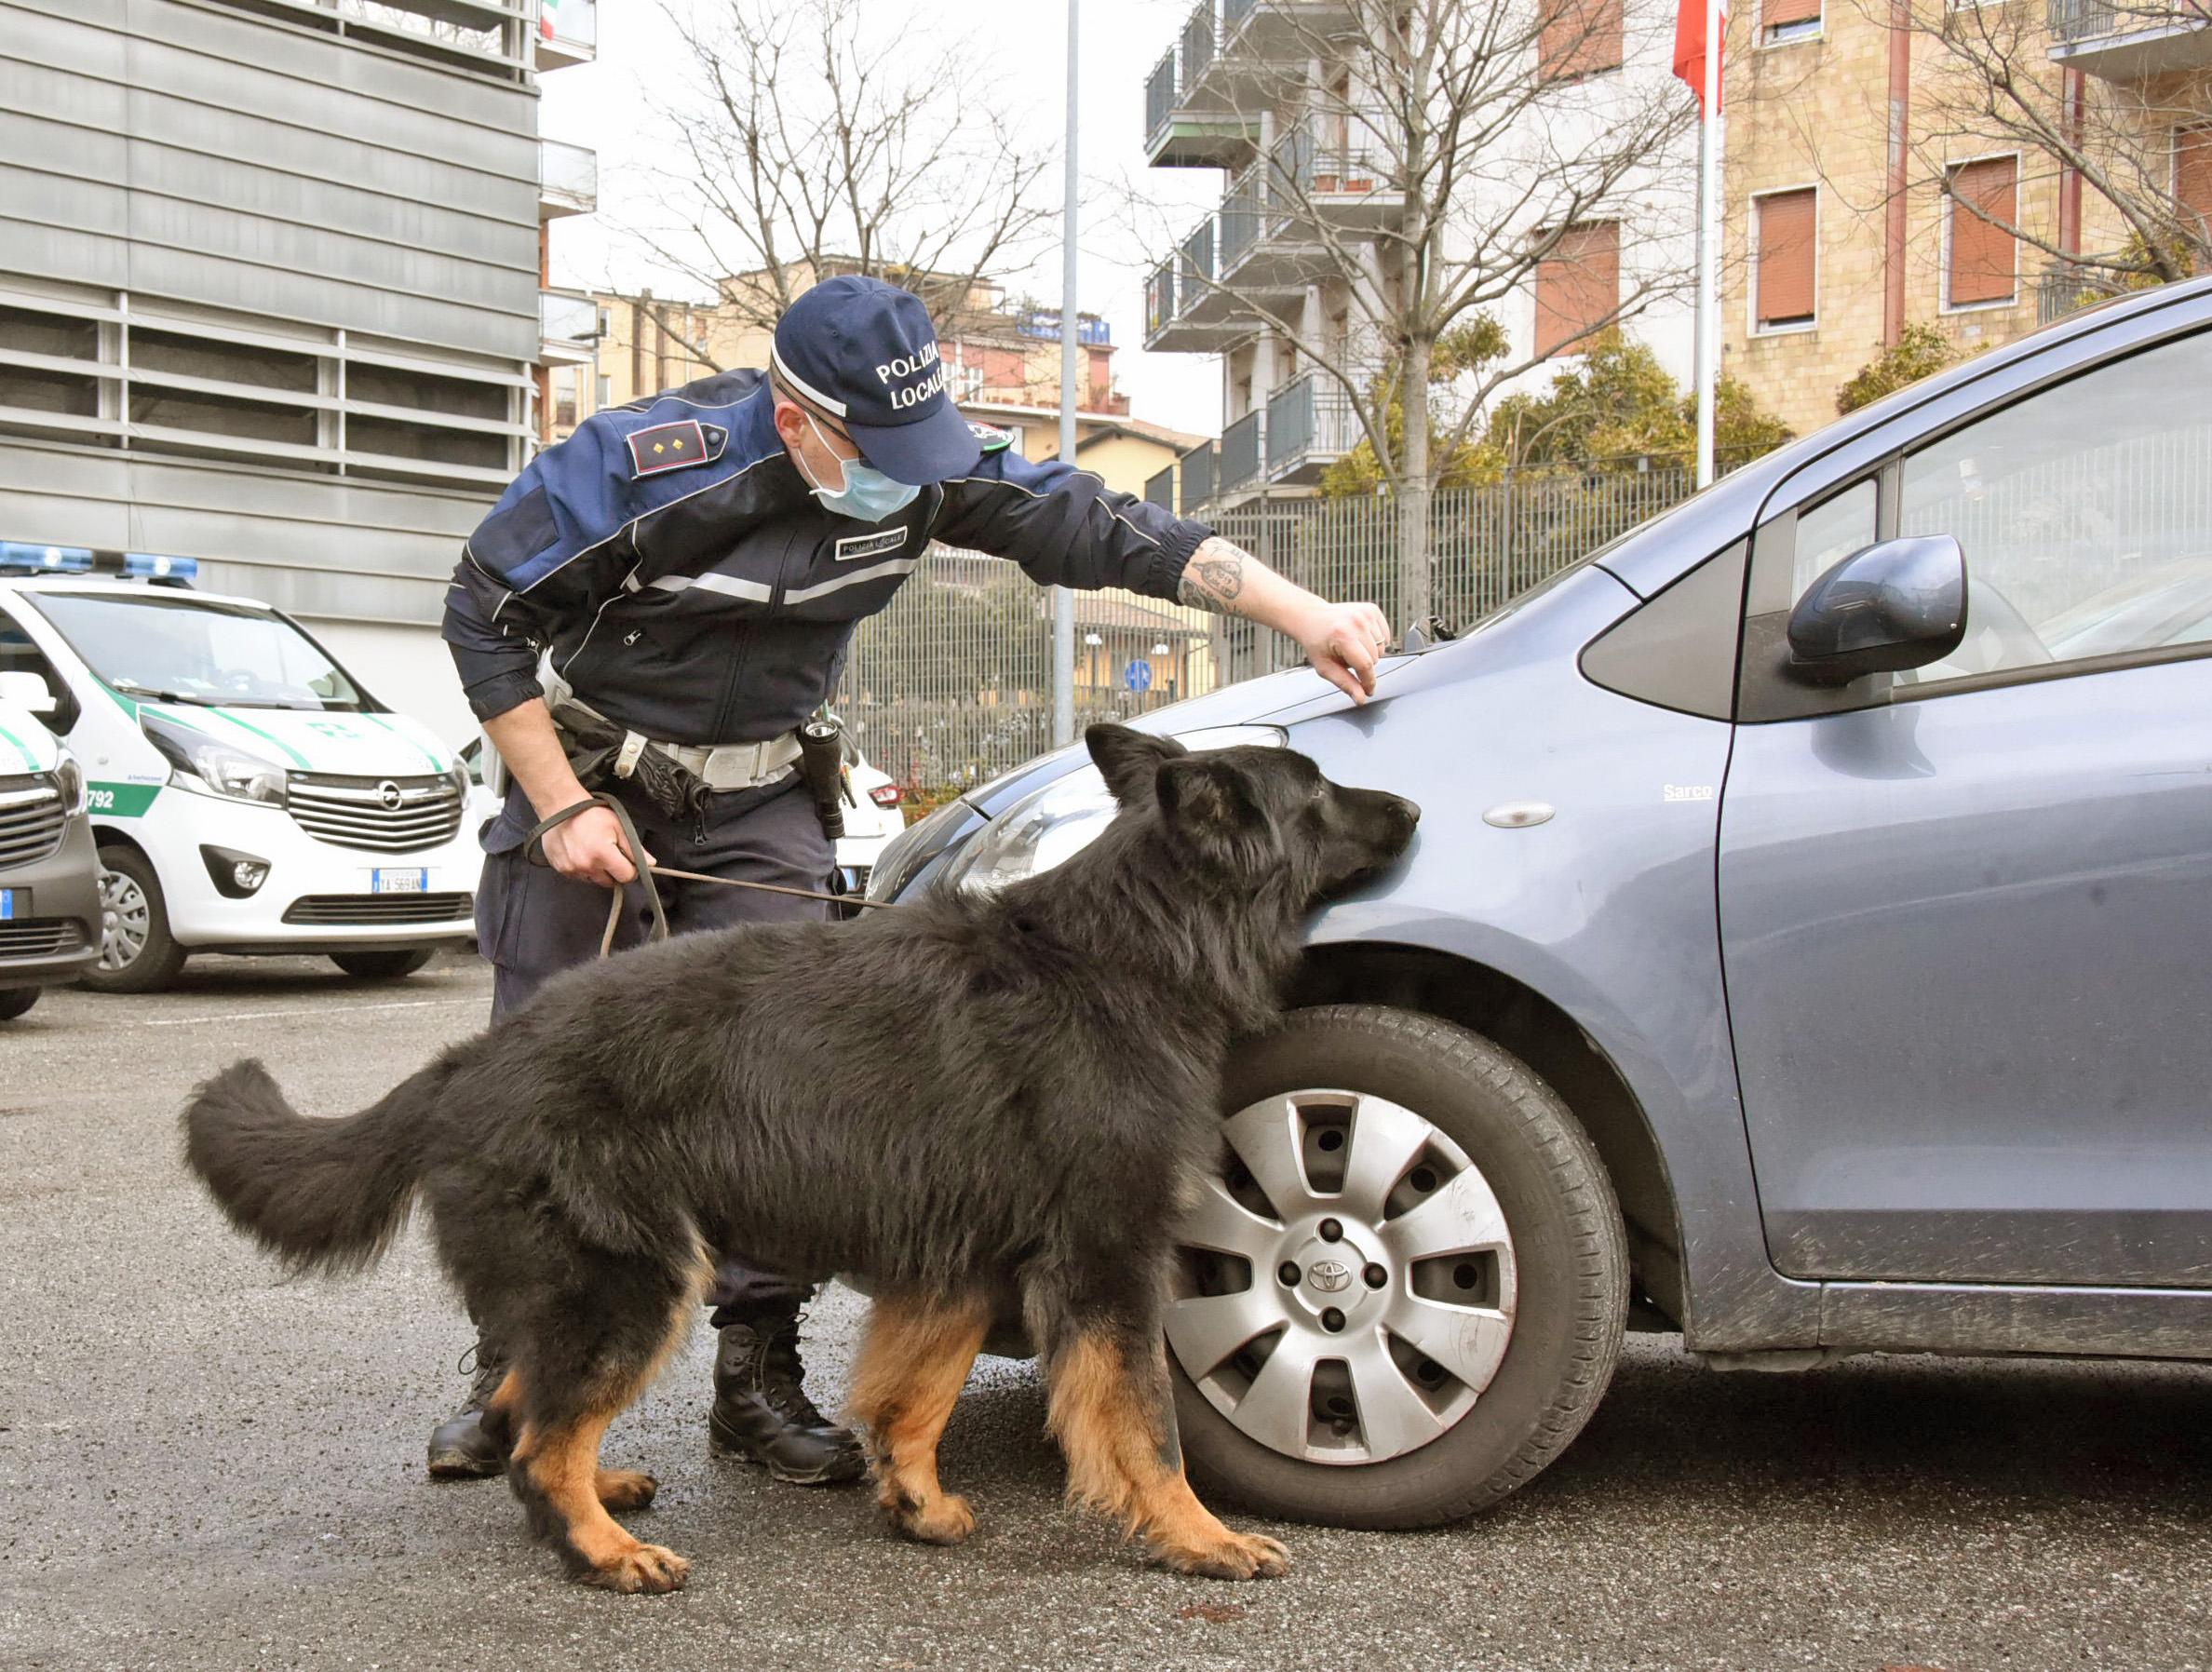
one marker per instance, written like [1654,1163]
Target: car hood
[347,744]
[25,745]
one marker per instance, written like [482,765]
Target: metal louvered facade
[270,293]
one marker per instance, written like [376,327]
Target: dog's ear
[1129,758]
[1211,804]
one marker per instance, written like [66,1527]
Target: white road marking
[255,1015]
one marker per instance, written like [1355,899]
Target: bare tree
[801,145]
[1427,158]
[1996,84]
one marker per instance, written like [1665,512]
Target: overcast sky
[1022,65]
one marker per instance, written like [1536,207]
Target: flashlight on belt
[821,764]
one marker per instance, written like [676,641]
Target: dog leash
[533,847]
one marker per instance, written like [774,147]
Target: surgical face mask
[868,495]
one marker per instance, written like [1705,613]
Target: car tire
[385,966]
[14,1000]
[137,952]
[1566,1262]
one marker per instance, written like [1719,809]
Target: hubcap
[122,920]
[1347,1289]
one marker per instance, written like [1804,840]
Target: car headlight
[1053,824]
[69,778]
[213,765]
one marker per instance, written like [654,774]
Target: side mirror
[1898,605]
[27,691]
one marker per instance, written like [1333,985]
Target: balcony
[1194,131]
[1159,489]
[1185,311]
[2063,289]
[1197,467]
[1243,447]
[1286,29]
[1263,254]
[2120,42]
[1310,423]
[1340,166]
[568,328]
[567,33]
[568,180]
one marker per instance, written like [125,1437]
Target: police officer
[687,571]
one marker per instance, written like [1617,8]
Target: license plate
[7,903]
[398,882]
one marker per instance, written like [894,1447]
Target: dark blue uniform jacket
[689,587]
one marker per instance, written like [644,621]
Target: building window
[1981,264]
[2192,183]
[603,397]
[1782,22]
[564,398]
[1578,285]
[1784,258]
[1579,37]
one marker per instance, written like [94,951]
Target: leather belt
[720,767]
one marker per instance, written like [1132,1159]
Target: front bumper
[57,938]
[319,897]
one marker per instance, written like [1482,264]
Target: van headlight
[214,766]
[1053,824]
[69,778]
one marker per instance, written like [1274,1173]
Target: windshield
[191,651]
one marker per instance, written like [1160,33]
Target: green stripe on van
[298,759]
[376,720]
[22,748]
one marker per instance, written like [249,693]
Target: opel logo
[1329,1276]
[388,793]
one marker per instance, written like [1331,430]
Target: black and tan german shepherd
[980,1103]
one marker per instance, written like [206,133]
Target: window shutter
[2192,180]
[1578,285]
[1787,257]
[1579,37]
[1982,256]
[1773,12]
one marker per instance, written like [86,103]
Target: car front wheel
[137,952]
[1403,1293]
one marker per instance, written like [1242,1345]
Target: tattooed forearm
[1215,577]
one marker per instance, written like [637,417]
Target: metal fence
[953,684]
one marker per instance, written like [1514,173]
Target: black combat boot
[761,1413]
[460,1447]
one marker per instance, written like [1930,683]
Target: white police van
[246,794]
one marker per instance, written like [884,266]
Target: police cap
[865,353]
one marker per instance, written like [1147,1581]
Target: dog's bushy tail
[325,1195]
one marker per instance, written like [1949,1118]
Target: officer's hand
[1343,642]
[588,847]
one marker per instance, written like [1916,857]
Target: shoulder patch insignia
[994,441]
[668,447]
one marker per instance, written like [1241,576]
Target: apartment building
[1838,235]
[1003,354]
[1279,95]
[272,295]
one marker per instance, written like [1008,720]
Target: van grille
[40,938]
[380,908]
[30,819]
[385,816]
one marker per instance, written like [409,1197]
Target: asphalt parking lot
[213,1468]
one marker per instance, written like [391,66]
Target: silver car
[1807,947]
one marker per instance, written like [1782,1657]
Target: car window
[1830,531]
[18,654]
[2084,512]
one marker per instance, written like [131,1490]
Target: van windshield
[196,651]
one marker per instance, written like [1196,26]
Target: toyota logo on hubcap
[388,793]
[1329,1276]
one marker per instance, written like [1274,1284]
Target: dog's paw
[1233,1556]
[625,1489]
[946,1519]
[646,1568]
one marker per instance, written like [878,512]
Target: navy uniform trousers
[532,923]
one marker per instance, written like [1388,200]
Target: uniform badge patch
[994,441]
[853,548]
[668,447]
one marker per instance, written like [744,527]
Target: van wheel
[1403,1292]
[137,954]
[14,1000]
[383,966]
